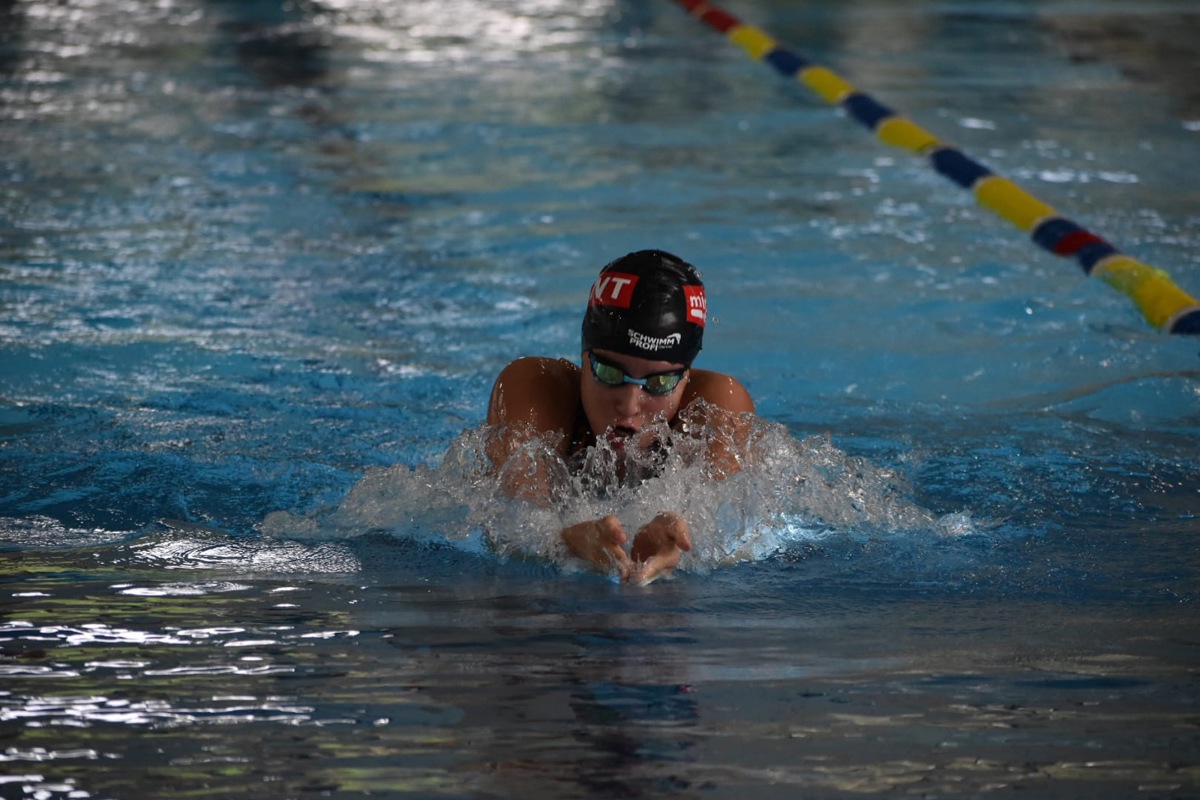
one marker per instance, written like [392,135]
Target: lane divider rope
[1162,303]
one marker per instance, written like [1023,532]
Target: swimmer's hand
[658,547]
[599,543]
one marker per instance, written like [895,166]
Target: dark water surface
[499,681]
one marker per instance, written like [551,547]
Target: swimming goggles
[660,384]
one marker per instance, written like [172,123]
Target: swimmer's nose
[628,399]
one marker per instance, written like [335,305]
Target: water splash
[788,492]
[41,532]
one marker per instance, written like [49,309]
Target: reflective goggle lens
[659,384]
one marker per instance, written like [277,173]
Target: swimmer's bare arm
[533,397]
[536,397]
[540,396]
[729,412]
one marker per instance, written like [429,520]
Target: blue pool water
[260,263]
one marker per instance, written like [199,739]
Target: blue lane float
[1163,304]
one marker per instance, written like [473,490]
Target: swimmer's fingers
[647,572]
[665,532]
[611,539]
[625,568]
[658,547]
[660,564]
[599,542]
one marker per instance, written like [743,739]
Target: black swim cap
[648,304]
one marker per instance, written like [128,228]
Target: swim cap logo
[613,289]
[697,304]
[653,343]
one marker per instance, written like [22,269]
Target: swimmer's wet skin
[643,328]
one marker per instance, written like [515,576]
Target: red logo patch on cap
[697,304]
[613,289]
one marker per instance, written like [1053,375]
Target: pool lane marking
[1162,303]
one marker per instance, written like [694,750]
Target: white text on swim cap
[697,304]
[653,343]
[613,289]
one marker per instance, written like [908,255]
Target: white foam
[788,491]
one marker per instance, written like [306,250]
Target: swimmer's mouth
[620,434]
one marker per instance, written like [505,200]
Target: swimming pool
[262,261]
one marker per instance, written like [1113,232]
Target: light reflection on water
[471,688]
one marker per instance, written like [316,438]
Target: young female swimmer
[642,329]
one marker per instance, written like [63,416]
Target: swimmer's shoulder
[537,390]
[718,389]
[553,374]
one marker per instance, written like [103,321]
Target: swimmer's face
[620,413]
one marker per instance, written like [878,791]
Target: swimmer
[642,329]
